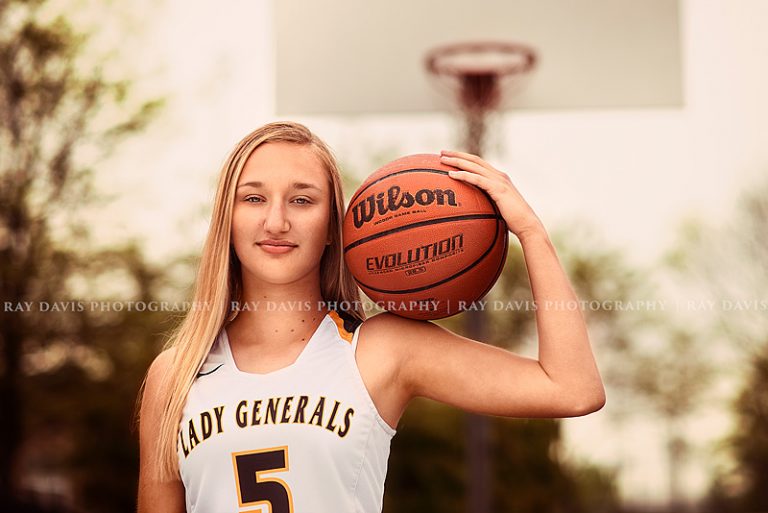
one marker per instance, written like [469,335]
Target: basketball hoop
[479,76]
[478,73]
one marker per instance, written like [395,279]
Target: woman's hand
[519,216]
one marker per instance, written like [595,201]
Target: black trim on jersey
[350,323]
[210,371]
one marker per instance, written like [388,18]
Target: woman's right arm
[155,496]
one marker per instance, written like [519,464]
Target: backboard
[354,57]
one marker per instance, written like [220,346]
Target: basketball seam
[500,268]
[418,225]
[395,173]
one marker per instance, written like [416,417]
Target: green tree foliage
[428,470]
[655,363]
[750,442]
[69,372]
[736,272]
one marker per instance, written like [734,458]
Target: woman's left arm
[563,382]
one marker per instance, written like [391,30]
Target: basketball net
[481,78]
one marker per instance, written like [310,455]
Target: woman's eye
[303,201]
[253,199]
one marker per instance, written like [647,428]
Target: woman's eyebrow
[250,184]
[294,185]
[301,185]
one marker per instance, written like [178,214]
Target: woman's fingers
[478,173]
[473,178]
[464,164]
[465,156]
[474,170]
[474,164]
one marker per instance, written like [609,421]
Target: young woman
[268,397]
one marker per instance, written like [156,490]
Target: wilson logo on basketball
[364,210]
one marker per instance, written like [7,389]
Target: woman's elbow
[589,403]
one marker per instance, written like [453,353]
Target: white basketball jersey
[306,438]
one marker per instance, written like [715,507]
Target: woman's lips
[276,247]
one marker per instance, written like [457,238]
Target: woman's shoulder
[163,361]
[389,323]
[391,332]
[159,368]
[387,333]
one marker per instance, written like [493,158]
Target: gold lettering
[286,410]
[240,415]
[206,424]
[193,439]
[303,400]
[347,422]
[272,406]
[256,420]
[183,445]
[330,426]
[218,411]
[318,413]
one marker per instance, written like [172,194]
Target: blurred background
[638,137]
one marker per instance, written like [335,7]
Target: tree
[750,442]
[653,362]
[58,116]
[731,260]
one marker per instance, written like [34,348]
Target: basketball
[421,244]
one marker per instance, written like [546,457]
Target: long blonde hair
[218,282]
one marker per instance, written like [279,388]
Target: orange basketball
[421,244]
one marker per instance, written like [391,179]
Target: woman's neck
[293,297]
[281,314]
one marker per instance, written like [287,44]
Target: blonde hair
[218,281]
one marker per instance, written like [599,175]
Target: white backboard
[359,57]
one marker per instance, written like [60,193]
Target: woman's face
[281,215]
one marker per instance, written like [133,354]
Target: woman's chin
[279,275]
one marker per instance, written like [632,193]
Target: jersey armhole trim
[379,419]
[344,332]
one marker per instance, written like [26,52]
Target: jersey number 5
[253,489]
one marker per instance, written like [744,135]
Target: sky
[632,175]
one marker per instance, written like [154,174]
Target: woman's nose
[277,220]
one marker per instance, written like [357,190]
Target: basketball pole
[475,326]
[474,72]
